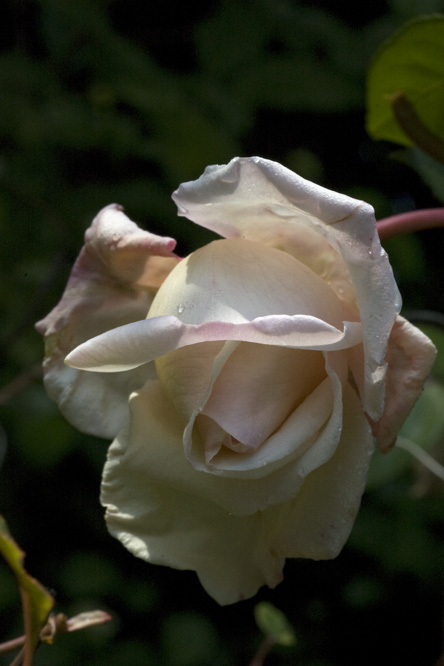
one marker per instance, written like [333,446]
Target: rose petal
[166,512]
[134,344]
[263,201]
[318,523]
[259,387]
[308,437]
[113,282]
[158,506]
[239,280]
[410,356]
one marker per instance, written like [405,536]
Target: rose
[254,381]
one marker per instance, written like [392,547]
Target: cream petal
[305,440]
[166,512]
[263,201]
[308,439]
[239,280]
[172,521]
[113,282]
[318,522]
[259,387]
[410,356]
[134,344]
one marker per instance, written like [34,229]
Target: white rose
[252,381]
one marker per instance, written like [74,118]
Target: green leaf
[36,601]
[411,62]
[274,624]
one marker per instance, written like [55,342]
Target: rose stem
[405,223]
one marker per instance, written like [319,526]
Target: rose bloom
[242,385]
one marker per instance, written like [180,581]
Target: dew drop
[180,308]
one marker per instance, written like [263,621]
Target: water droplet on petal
[180,308]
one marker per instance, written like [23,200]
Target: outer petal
[317,524]
[113,282]
[228,290]
[334,234]
[132,345]
[158,506]
[410,357]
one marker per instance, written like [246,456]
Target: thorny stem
[405,223]
[264,649]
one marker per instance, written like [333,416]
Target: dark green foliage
[105,100]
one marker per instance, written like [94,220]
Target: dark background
[119,101]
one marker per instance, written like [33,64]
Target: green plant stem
[405,223]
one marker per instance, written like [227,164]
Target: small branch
[11,646]
[57,624]
[406,223]
[417,132]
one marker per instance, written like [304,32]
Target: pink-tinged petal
[318,522]
[113,282]
[126,252]
[132,345]
[259,388]
[304,441]
[410,356]
[334,234]
[228,290]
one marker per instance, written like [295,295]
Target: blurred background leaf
[411,62]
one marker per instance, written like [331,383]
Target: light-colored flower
[253,381]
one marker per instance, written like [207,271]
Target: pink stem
[415,220]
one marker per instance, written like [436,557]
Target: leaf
[36,601]
[411,62]
[273,623]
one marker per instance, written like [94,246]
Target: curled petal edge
[132,345]
[410,357]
